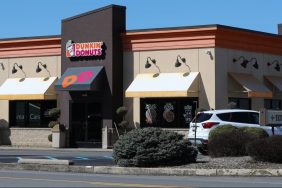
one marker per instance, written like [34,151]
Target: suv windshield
[202,117]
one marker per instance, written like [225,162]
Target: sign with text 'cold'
[86,49]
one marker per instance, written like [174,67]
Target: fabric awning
[164,85]
[276,81]
[28,89]
[251,85]
[81,79]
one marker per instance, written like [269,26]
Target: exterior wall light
[14,70]
[2,66]
[38,69]
[148,65]
[183,61]
[245,62]
[277,65]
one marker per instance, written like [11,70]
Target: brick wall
[26,137]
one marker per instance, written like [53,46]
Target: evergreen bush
[266,149]
[228,140]
[150,147]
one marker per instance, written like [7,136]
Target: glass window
[239,117]
[274,104]
[202,117]
[224,116]
[253,118]
[167,112]
[30,113]
[241,103]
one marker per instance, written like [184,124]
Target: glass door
[86,120]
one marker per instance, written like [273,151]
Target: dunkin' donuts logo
[83,49]
[81,78]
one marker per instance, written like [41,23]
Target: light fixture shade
[256,66]
[38,69]
[177,63]
[14,70]
[277,67]
[147,65]
[244,63]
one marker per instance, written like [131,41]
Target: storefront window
[241,103]
[30,113]
[274,104]
[167,112]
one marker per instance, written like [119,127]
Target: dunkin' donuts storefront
[160,75]
[90,88]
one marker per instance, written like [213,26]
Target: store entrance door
[86,120]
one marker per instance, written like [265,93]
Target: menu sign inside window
[85,49]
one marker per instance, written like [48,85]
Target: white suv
[205,121]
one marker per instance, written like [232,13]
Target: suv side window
[240,117]
[253,117]
[202,117]
[224,116]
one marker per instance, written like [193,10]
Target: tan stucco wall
[224,64]
[197,59]
[29,67]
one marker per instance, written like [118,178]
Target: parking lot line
[108,157]
[51,158]
[82,158]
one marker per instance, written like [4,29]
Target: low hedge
[228,140]
[150,147]
[266,149]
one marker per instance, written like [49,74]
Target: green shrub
[121,111]
[228,140]
[255,132]
[266,149]
[54,112]
[221,130]
[149,147]
[50,138]
[52,124]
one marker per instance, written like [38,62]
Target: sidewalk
[54,149]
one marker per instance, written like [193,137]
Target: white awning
[164,85]
[28,89]
[251,85]
[276,81]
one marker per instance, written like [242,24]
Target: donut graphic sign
[85,49]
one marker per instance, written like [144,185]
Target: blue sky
[24,18]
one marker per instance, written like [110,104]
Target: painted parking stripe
[108,157]
[51,158]
[82,158]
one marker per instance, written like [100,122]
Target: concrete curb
[186,172]
[45,162]
[142,171]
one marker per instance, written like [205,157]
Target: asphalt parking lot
[83,158]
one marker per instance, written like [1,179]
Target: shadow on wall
[5,133]
[203,99]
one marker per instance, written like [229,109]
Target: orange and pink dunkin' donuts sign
[85,49]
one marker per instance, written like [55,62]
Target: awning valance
[164,85]
[28,89]
[276,81]
[251,85]
[81,79]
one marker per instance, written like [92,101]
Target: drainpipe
[279,29]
